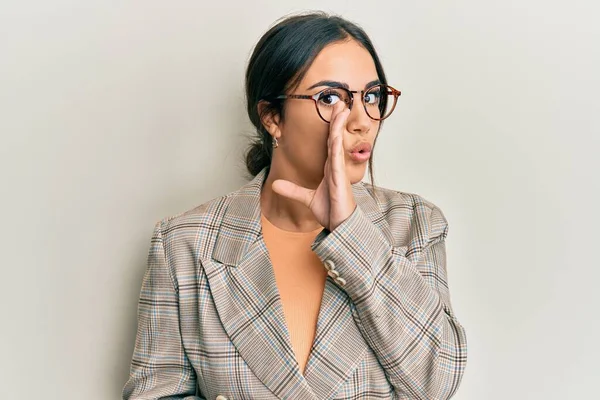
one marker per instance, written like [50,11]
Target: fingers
[335,144]
[338,119]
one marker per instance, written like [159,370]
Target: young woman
[306,283]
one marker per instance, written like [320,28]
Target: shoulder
[187,229]
[416,221]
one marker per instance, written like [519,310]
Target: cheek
[305,132]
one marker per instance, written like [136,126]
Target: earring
[275,143]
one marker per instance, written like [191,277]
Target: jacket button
[329,265]
[341,281]
[333,273]
[221,397]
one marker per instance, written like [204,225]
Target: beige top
[300,278]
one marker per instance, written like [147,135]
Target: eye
[330,97]
[372,97]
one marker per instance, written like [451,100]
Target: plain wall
[114,115]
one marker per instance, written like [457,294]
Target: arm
[160,368]
[404,311]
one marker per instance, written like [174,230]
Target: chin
[356,173]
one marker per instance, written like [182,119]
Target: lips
[363,147]
[361,152]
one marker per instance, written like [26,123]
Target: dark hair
[279,62]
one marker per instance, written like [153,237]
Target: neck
[284,213]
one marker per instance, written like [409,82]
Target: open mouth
[362,151]
[360,155]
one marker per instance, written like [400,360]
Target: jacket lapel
[247,299]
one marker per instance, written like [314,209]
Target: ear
[269,119]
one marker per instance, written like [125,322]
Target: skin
[309,183]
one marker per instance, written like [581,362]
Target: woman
[306,283]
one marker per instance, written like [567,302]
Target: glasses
[379,100]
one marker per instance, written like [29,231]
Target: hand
[332,202]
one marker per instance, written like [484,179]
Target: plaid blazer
[211,323]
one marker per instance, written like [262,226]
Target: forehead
[347,62]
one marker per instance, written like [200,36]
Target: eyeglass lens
[377,101]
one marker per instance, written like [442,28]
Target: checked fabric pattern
[211,323]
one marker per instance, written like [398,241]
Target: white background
[114,115]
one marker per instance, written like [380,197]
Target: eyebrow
[341,84]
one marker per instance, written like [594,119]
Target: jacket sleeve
[402,307]
[160,368]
